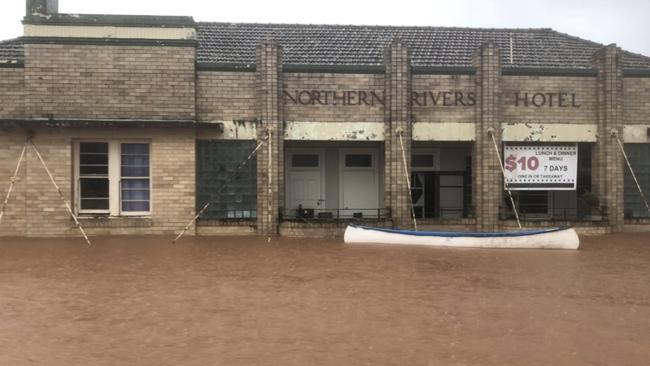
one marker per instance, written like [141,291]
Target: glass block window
[232,194]
[639,156]
[135,181]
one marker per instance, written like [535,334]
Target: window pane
[639,156]
[422,161]
[93,158]
[135,149]
[93,193]
[94,187]
[304,160]
[93,148]
[533,202]
[135,184]
[358,160]
[135,171]
[135,206]
[135,195]
[94,204]
[135,160]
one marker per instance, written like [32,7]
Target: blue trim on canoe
[454,234]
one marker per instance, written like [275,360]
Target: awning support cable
[205,207]
[13,180]
[503,172]
[67,204]
[269,135]
[406,175]
[638,186]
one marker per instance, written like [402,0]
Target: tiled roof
[235,43]
[11,51]
[348,45]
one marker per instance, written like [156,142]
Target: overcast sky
[625,22]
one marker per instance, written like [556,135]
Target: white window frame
[114,178]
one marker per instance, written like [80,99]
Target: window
[304,160]
[428,159]
[222,180]
[358,161]
[93,177]
[533,202]
[113,178]
[134,186]
[422,161]
[639,155]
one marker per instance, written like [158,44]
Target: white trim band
[74,31]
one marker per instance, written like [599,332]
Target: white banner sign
[552,168]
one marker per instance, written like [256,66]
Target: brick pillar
[487,182]
[608,163]
[269,118]
[397,117]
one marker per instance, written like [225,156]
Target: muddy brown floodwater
[243,301]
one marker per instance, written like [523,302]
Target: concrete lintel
[636,134]
[549,132]
[334,131]
[443,131]
[232,130]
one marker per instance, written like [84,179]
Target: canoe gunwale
[460,234]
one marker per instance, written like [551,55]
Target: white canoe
[554,238]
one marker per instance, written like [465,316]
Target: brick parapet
[109,81]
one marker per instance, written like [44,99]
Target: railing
[466,212]
[335,214]
[229,215]
[577,214]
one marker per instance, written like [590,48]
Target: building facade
[300,129]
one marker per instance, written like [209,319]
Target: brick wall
[317,112]
[12,88]
[455,111]
[584,89]
[36,209]
[636,100]
[83,81]
[225,96]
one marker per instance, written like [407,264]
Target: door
[451,196]
[305,184]
[305,189]
[359,188]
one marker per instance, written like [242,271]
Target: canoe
[552,238]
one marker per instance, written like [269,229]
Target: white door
[359,190]
[305,184]
[305,189]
